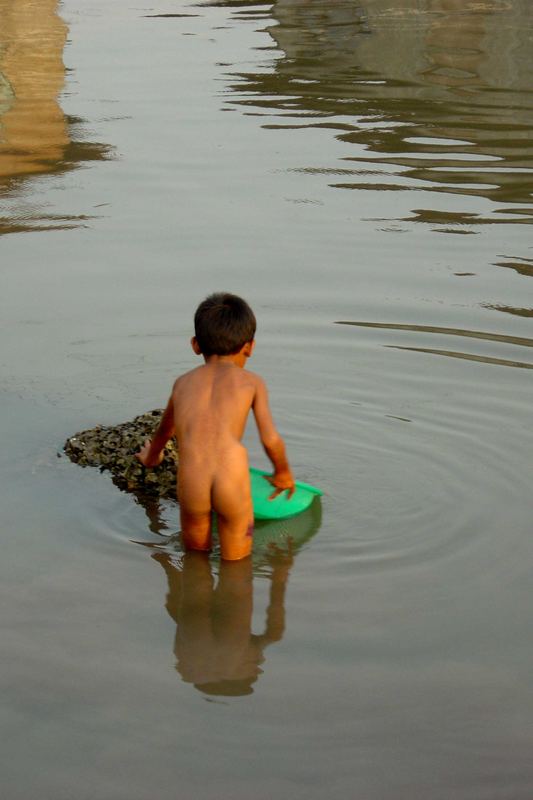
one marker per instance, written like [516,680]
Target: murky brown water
[151,154]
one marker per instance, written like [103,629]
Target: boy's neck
[235,359]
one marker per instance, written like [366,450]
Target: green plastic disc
[281,506]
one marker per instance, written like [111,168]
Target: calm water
[362,173]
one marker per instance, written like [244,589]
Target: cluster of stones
[113,448]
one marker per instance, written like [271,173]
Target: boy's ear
[248,348]
[195,346]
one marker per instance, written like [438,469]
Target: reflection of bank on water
[428,95]
[36,137]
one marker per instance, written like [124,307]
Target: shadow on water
[515,341]
[431,95]
[522,266]
[36,137]
[211,601]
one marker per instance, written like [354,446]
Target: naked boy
[207,413]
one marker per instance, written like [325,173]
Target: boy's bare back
[207,412]
[211,405]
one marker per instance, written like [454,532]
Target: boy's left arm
[151,454]
[272,442]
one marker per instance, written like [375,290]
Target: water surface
[361,173]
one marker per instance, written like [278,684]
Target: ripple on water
[154,523]
[443,467]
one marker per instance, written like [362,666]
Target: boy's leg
[194,497]
[235,532]
[195,529]
[232,501]
[236,535]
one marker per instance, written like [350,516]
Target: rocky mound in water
[113,448]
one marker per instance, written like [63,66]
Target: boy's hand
[281,481]
[145,458]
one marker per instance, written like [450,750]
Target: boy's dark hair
[223,323]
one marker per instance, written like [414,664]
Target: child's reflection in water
[215,648]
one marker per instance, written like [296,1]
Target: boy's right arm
[151,454]
[272,442]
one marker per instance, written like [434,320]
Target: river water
[362,174]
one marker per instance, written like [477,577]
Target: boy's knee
[230,551]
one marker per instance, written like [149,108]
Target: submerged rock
[113,448]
